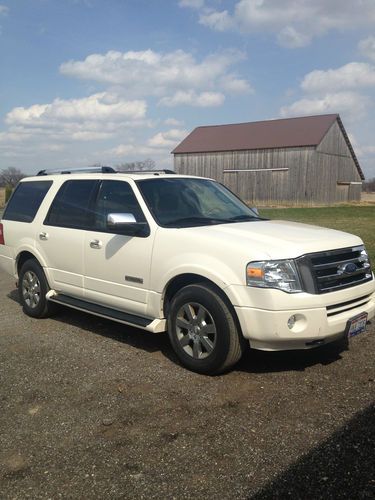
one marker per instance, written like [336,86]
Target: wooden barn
[293,161]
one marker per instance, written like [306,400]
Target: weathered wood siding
[312,177]
[265,187]
[335,164]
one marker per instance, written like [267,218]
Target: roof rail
[155,172]
[88,170]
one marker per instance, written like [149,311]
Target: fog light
[291,322]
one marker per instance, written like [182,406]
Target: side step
[103,311]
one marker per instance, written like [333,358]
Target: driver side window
[116,197]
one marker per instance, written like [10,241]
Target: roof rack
[103,170]
[155,172]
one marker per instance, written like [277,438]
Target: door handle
[43,236]
[95,244]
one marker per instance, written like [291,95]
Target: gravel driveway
[93,409]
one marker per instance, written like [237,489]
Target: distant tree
[147,164]
[369,185]
[11,177]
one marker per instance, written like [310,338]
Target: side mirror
[255,210]
[127,225]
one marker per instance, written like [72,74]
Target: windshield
[185,202]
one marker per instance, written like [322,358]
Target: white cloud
[294,22]
[97,107]
[149,73]
[219,21]
[192,98]
[169,138]
[97,117]
[351,105]
[3,10]
[367,47]
[235,85]
[133,151]
[193,4]
[290,38]
[172,122]
[352,75]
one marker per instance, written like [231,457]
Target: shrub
[8,192]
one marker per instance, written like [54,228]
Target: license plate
[356,325]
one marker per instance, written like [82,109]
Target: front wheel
[203,331]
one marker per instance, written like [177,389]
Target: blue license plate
[356,325]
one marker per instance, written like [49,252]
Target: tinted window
[116,197]
[26,200]
[187,202]
[71,206]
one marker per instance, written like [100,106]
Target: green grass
[352,219]
[356,220]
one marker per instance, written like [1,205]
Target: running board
[102,311]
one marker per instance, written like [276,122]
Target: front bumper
[267,329]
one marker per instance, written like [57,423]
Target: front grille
[333,270]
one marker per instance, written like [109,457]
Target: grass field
[356,220]
[352,219]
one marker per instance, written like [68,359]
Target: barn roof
[284,133]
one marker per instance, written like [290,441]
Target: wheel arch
[22,257]
[180,281]
[26,254]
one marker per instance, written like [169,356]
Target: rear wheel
[203,331]
[33,287]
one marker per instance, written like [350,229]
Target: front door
[117,267]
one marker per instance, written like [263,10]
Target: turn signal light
[255,272]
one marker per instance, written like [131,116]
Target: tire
[32,289]
[203,331]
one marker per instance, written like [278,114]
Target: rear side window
[72,205]
[26,200]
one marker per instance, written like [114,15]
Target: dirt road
[93,409]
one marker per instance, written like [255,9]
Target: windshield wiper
[196,221]
[245,218]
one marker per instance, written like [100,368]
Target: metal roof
[284,133]
[269,134]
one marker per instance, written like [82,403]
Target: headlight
[281,274]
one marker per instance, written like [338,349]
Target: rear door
[61,237]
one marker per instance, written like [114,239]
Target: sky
[84,82]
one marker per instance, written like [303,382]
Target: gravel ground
[93,409]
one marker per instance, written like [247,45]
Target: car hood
[275,239]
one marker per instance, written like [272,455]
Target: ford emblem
[348,268]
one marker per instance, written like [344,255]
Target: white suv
[166,252]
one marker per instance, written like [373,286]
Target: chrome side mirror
[118,220]
[127,225]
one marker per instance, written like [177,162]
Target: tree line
[10,177]
[369,185]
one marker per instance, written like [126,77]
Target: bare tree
[137,165]
[11,177]
[369,185]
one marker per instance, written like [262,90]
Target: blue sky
[111,81]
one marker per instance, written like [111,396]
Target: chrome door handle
[43,236]
[95,244]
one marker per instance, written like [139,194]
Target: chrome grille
[333,270]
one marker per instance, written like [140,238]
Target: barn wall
[266,188]
[334,164]
[314,175]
